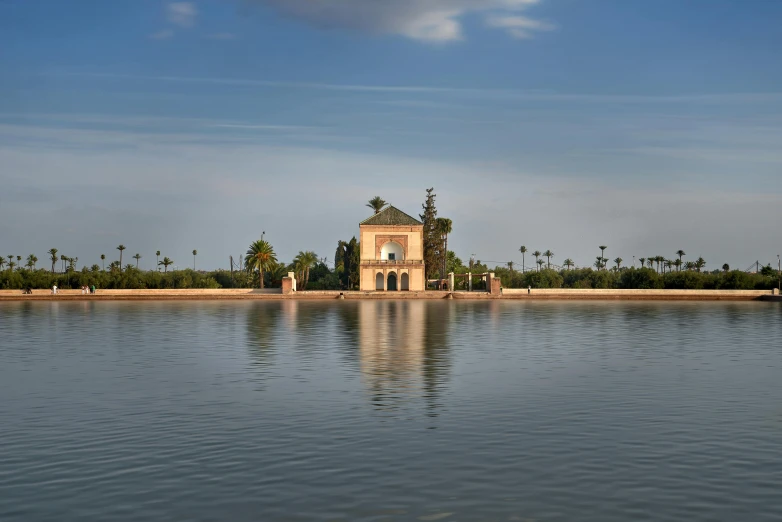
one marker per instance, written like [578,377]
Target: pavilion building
[392,252]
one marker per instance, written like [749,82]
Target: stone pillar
[469,281]
[775,291]
[385,280]
[451,280]
[288,284]
[494,284]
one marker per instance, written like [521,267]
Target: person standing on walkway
[54,290]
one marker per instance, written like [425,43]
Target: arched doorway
[405,281]
[379,281]
[392,282]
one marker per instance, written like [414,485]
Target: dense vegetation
[261,268]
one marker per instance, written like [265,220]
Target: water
[390,410]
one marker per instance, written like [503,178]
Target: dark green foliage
[433,241]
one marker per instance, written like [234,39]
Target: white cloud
[518,26]
[425,20]
[165,34]
[182,13]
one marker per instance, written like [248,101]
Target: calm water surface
[386,411]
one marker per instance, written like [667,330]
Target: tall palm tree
[549,254]
[726,267]
[54,258]
[540,264]
[195,253]
[166,263]
[678,264]
[2,262]
[537,254]
[650,261]
[603,252]
[444,227]
[377,203]
[689,265]
[523,251]
[157,258]
[31,260]
[600,262]
[63,259]
[304,261]
[19,261]
[260,256]
[568,263]
[618,262]
[103,261]
[668,264]
[642,260]
[137,257]
[510,266]
[681,254]
[11,265]
[10,258]
[700,264]
[120,248]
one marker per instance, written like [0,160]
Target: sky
[645,126]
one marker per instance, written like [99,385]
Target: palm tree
[726,267]
[377,203]
[668,264]
[73,261]
[681,254]
[523,251]
[63,258]
[2,262]
[195,253]
[537,254]
[568,263]
[19,260]
[700,263]
[120,248]
[304,262]
[603,252]
[642,260]
[53,254]
[510,266]
[600,262]
[678,264]
[540,264]
[689,265]
[11,265]
[157,258]
[103,261]
[137,257]
[445,227]
[260,256]
[166,263]
[31,260]
[618,262]
[549,254]
[10,258]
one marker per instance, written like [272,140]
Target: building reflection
[404,355]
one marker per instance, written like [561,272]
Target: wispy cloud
[164,34]
[497,94]
[424,20]
[181,13]
[519,26]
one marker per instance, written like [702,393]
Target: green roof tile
[391,216]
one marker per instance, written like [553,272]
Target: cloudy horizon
[175,126]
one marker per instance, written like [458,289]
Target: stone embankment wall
[507,294]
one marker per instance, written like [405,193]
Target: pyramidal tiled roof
[391,216]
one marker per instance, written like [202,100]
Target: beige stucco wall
[416,277]
[410,238]
[414,235]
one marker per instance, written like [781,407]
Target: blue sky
[557,124]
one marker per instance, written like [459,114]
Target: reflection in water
[404,352]
[263,325]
